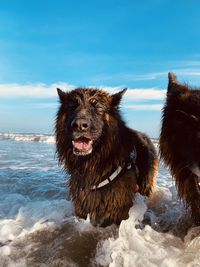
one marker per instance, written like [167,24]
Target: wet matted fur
[180,141]
[92,142]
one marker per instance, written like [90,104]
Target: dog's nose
[80,124]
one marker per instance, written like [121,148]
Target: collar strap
[133,156]
[108,180]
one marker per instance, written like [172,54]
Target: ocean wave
[46,233]
[41,138]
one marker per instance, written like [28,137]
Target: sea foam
[42,138]
[38,227]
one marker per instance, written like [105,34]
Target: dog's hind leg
[152,178]
[147,163]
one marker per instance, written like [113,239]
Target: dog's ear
[116,98]
[61,94]
[174,87]
[172,78]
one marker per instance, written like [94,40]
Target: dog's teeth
[198,183]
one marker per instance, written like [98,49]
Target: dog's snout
[81,124]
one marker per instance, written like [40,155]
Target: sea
[38,226]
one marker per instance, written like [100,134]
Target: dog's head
[184,102]
[183,110]
[180,134]
[82,117]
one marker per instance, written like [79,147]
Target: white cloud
[145,94]
[152,107]
[31,90]
[182,68]
[130,77]
[43,105]
[188,72]
[40,91]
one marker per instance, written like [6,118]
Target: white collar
[108,180]
[133,156]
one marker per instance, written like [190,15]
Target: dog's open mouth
[82,146]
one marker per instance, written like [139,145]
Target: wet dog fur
[180,141]
[92,142]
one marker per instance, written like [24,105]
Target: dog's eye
[73,104]
[99,106]
[93,101]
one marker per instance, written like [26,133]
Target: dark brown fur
[180,141]
[112,145]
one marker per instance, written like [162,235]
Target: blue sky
[111,44]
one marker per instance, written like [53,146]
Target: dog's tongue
[82,145]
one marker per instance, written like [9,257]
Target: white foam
[139,247]
[34,216]
[24,221]
[135,245]
[41,138]
[146,247]
[190,256]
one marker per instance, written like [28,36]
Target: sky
[109,44]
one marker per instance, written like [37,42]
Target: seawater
[38,226]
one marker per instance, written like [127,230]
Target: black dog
[107,162]
[180,141]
